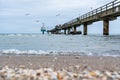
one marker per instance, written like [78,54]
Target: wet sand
[62,62]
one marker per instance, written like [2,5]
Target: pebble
[22,73]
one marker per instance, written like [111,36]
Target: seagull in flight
[27,14]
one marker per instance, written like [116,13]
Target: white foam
[52,52]
[18,52]
[108,54]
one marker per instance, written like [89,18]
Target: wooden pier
[104,13]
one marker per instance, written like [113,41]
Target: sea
[51,44]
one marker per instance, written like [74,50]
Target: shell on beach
[22,73]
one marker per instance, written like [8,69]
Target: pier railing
[112,5]
[106,13]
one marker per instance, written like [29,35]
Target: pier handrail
[104,13]
[101,9]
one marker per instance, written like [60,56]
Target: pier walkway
[104,13]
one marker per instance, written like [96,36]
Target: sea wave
[20,52]
[20,35]
[52,52]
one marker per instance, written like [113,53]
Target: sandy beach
[59,62]
[75,64]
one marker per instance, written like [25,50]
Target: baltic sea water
[90,45]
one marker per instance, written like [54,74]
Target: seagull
[58,15]
[37,21]
[27,14]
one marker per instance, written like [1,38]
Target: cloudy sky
[27,16]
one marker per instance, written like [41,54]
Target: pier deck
[104,13]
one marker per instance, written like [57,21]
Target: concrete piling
[85,29]
[106,27]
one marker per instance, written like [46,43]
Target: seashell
[98,73]
[80,76]
[104,78]
[21,66]
[66,78]
[38,74]
[75,75]
[85,72]
[2,76]
[53,76]
[31,78]
[118,76]
[6,67]
[77,67]
[108,74]
[59,76]
[87,76]
[93,74]
[45,78]
[114,75]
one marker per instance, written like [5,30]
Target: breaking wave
[51,52]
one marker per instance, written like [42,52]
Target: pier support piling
[85,29]
[64,31]
[68,31]
[74,29]
[106,27]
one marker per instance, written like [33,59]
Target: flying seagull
[27,14]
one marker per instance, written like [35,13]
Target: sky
[28,16]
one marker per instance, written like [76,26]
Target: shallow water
[64,44]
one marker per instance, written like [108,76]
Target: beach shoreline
[59,62]
[36,67]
